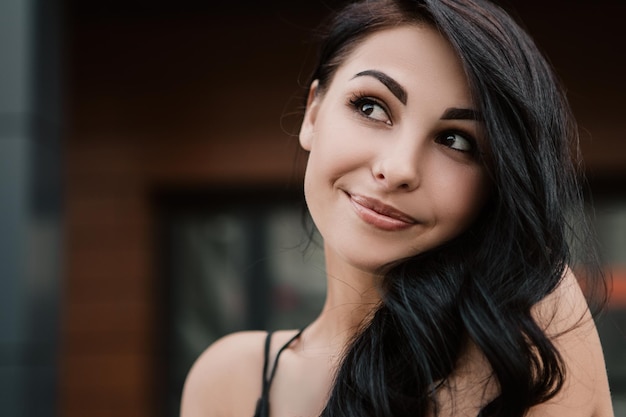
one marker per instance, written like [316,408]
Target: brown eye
[457,141]
[371,109]
[368,108]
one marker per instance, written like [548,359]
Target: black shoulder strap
[266,363]
[263,404]
[285,346]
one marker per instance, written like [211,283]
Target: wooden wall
[194,96]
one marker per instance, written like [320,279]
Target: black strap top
[263,404]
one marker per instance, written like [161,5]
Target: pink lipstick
[380,215]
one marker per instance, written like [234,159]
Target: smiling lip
[379,214]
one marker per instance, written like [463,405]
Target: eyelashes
[370,108]
[375,110]
[459,141]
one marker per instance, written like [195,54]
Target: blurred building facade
[31,227]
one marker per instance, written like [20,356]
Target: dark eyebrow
[454,113]
[393,86]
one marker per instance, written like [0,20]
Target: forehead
[415,56]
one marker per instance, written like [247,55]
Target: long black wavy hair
[480,287]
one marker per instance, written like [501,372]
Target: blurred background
[150,196]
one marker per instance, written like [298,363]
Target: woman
[441,180]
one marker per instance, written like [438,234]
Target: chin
[376,264]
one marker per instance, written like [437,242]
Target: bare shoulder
[225,380]
[565,317]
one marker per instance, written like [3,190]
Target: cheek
[463,197]
[322,170]
[336,152]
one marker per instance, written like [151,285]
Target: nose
[398,168]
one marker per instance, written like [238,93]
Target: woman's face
[394,141]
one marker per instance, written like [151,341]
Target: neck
[352,296]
